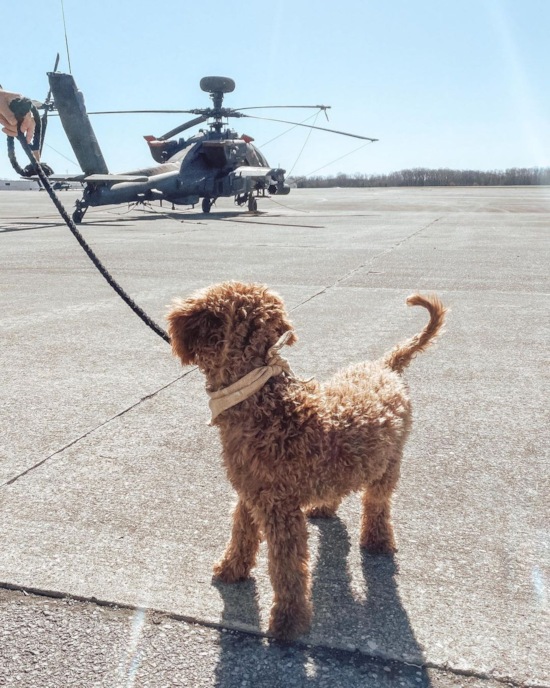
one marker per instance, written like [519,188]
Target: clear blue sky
[440,83]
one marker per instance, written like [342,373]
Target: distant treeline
[420,176]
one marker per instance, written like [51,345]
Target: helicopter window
[253,158]
[262,162]
[215,155]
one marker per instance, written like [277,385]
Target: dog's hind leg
[286,535]
[325,510]
[376,528]
[240,555]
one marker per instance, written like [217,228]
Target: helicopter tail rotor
[47,105]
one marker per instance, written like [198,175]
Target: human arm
[8,120]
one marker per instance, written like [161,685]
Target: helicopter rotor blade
[310,126]
[142,112]
[183,127]
[49,96]
[46,107]
[272,107]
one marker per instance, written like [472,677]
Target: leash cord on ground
[78,236]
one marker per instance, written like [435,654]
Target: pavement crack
[357,269]
[11,481]
[274,224]
[159,614]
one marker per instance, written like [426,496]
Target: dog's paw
[228,571]
[320,512]
[287,623]
[382,547]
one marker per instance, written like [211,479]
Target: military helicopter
[216,162]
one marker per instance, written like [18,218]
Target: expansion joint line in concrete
[388,657]
[90,432]
[353,271]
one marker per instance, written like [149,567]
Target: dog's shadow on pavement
[378,624]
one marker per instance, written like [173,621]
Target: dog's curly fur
[296,449]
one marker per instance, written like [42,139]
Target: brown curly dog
[296,449]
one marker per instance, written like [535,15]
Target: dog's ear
[292,339]
[190,327]
[278,320]
[286,326]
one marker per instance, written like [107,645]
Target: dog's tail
[401,355]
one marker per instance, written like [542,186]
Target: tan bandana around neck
[248,385]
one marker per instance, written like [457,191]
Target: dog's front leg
[240,555]
[286,534]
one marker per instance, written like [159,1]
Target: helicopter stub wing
[115,178]
[95,178]
[254,172]
[66,177]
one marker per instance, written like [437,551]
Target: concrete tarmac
[112,489]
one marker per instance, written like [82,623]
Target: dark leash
[21,107]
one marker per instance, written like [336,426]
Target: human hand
[7,118]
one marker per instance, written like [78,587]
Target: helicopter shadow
[199,215]
[337,614]
[27,226]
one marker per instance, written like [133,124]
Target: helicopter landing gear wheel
[79,212]
[206,205]
[252,204]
